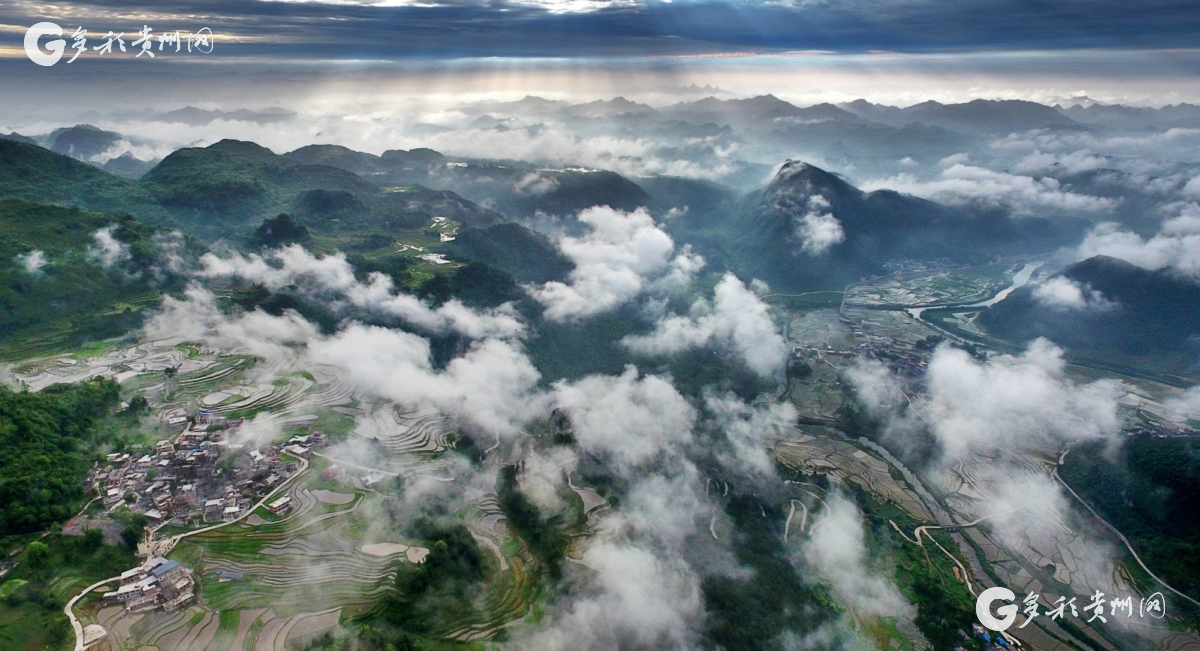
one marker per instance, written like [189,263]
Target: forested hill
[46,441]
[1144,311]
[68,276]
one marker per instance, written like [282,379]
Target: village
[199,475]
[195,477]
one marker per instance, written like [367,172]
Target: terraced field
[239,385]
[270,582]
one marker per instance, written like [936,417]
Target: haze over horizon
[897,53]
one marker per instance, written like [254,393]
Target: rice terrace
[271,581]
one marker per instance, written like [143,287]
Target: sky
[894,51]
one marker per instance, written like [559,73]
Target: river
[1019,280]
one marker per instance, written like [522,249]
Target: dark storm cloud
[613,28]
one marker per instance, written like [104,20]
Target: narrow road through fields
[1114,531]
[164,547]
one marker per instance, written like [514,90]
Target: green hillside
[238,180]
[528,256]
[1149,490]
[31,172]
[72,297]
[1152,317]
[44,436]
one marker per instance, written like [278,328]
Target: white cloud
[1009,401]
[818,229]
[171,245]
[837,549]
[886,399]
[198,318]
[1062,293]
[750,429]
[492,386]
[107,250]
[140,151]
[542,476]
[625,254]
[332,278]
[575,6]
[536,184]
[637,598]
[875,386]
[1025,194]
[1141,153]
[627,419]
[1186,403]
[32,261]
[737,318]
[675,212]
[991,420]
[1175,246]
[1074,162]
[1192,188]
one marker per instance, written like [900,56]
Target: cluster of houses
[156,583]
[181,480]
[1163,430]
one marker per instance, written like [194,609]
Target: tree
[138,405]
[37,554]
[281,230]
[227,464]
[92,539]
[131,536]
[46,440]
[542,534]
[170,372]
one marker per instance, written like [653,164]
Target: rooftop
[164,568]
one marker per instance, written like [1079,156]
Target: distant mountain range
[767,111]
[871,138]
[515,188]
[194,116]
[987,116]
[806,229]
[229,187]
[1133,117]
[82,141]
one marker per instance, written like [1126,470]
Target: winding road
[1113,529]
[164,547]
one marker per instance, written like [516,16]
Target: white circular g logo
[56,47]
[983,609]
